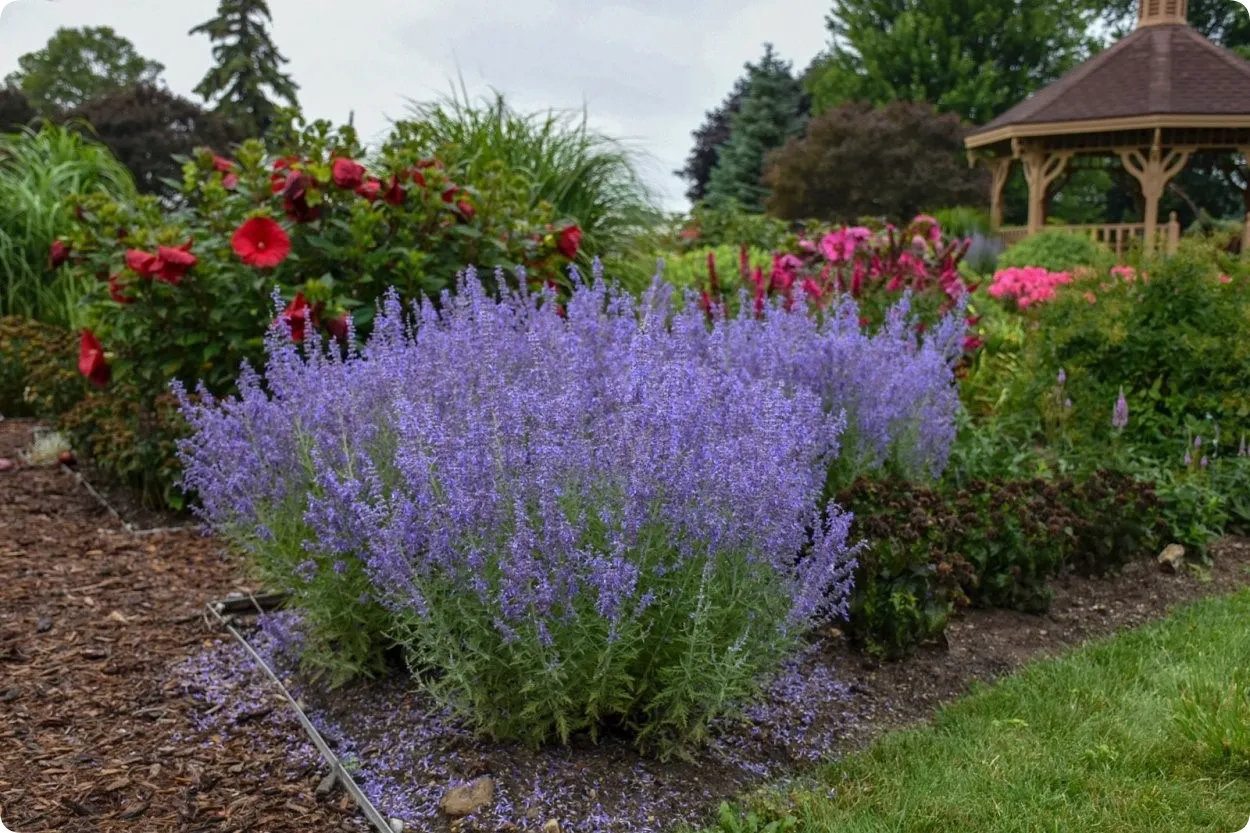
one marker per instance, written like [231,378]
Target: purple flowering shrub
[570,518]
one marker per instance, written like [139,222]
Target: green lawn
[1149,731]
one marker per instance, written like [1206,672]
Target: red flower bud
[370,189]
[57,255]
[296,315]
[569,241]
[115,290]
[394,193]
[91,361]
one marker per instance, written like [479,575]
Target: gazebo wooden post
[1153,171]
[1000,170]
[1040,170]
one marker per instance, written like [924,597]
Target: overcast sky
[646,69]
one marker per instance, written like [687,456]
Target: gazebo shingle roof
[1157,70]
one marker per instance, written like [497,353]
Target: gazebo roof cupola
[1154,12]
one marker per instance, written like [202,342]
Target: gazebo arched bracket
[1153,169]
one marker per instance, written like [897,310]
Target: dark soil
[118,714]
[96,733]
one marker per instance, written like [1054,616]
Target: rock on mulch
[96,731]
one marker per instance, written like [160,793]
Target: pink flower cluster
[1027,285]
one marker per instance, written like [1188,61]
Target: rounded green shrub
[1057,251]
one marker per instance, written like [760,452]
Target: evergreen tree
[774,109]
[709,139]
[248,68]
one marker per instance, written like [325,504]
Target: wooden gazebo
[1153,99]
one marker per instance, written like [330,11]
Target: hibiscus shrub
[186,293]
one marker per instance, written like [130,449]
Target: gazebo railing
[1118,237]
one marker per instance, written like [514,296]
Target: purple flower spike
[1119,418]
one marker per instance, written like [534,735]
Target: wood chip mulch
[96,733]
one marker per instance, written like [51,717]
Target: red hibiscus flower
[284,163]
[221,163]
[261,242]
[296,315]
[145,263]
[115,290]
[230,181]
[174,262]
[569,241]
[370,190]
[394,193]
[466,209]
[347,174]
[91,362]
[418,178]
[57,255]
[450,192]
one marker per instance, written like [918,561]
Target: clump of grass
[46,448]
[38,170]
[585,175]
[1214,715]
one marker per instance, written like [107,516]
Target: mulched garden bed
[124,710]
[96,731]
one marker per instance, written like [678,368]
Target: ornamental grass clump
[570,517]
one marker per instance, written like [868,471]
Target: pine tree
[248,64]
[773,110]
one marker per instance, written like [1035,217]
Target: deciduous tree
[78,64]
[857,160]
[974,59]
[146,126]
